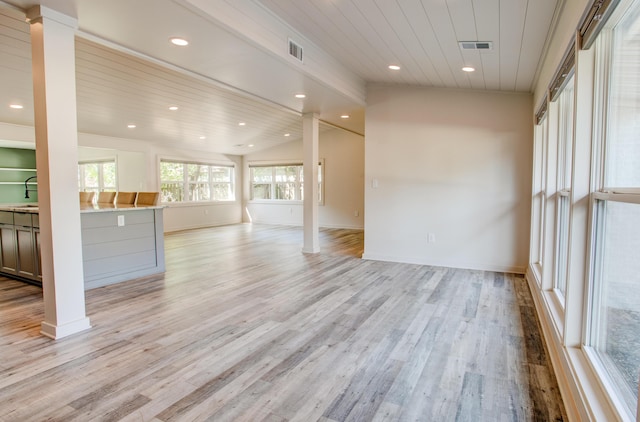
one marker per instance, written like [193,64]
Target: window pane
[286,191]
[222,191]
[199,192]
[623,142]
[109,175]
[172,192]
[286,174]
[198,172]
[171,172]
[262,174]
[220,174]
[616,307]
[562,250]
[91,175]
[261,191]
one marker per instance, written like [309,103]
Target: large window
[196,182]
[97,176]
[614,310]
[281,182]
[565,141]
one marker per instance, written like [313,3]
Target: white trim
[59,331]
[444,263]
[582,394]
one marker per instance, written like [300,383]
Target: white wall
[456,164]
[343,154]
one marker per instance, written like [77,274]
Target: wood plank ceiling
[422,37]
[126,73]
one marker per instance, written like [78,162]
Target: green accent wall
[12,181]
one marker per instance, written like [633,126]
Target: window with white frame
[539,194]
[281,182]
[564,158]
[614,305]
[97,176]
[182,181]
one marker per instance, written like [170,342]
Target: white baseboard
[449,264]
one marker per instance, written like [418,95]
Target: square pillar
[54,92]
[310,141]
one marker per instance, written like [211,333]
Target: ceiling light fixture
[16,106]
[173,108]
[287,134]
[468,69]
[242,124]
[301,96]
[203,137]
[345,116]
[394,67]
[131,126]
[251,145]
[180,42]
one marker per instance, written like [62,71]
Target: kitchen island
[119,243]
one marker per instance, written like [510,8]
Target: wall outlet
[206,212]
[356,213]
[120,220]
[431,238]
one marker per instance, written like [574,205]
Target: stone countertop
[116,207]
[33,208]
[29,208]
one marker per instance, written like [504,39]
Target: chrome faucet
[26,187]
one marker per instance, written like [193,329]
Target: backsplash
[16,165]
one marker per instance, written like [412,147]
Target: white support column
[54,91]
[310,139]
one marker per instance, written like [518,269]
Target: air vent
[295,50]
[476,45]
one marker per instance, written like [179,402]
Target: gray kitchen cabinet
[19,245]
[8,255]
[25,251]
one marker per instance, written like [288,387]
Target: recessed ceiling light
[203,137]
[173,108]
[180,42]
[301,96]
[468,69]
[131,126]
[394,67]
[238,145]
[345,116]
[287,134]
[16,106]
[251,145]
[242,124]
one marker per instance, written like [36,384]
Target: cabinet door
[26,256]
[8,256]
[36,240]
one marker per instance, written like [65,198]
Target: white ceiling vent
[295,50]
[476,45]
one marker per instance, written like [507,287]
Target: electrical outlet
[356,213]
[431,238]
[120,220]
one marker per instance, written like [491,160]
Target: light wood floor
[244,327]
